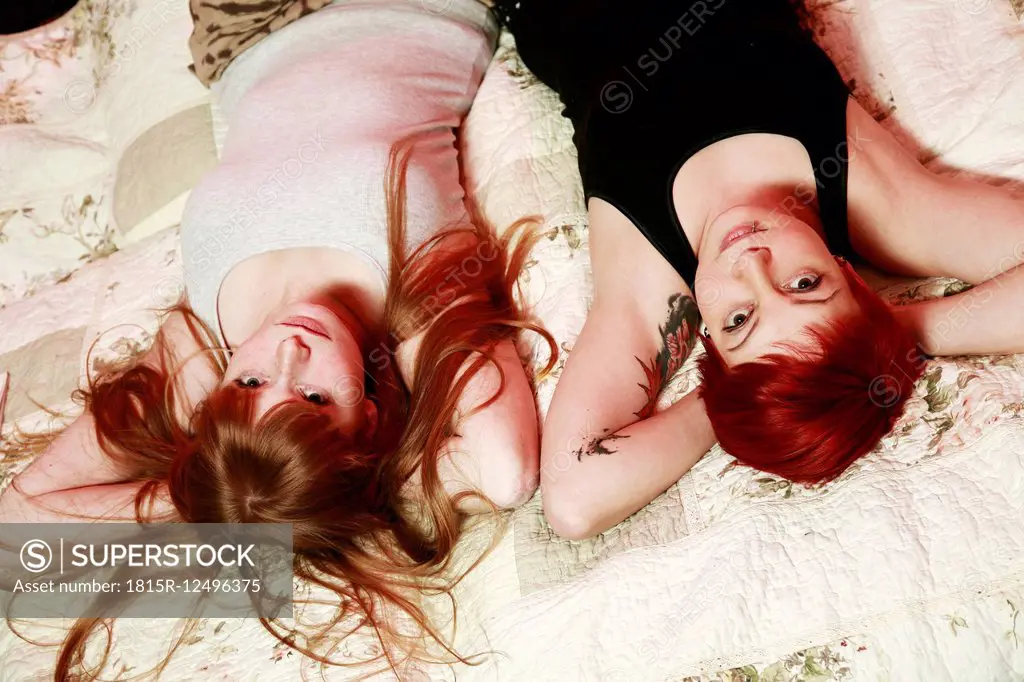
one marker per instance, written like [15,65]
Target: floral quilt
[598,610]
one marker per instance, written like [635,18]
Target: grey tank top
[312,112]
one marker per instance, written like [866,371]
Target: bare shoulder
[907,220]
[883,176]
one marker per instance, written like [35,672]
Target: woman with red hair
[730,177]
[345,362]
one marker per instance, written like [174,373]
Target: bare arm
[105,502]
[978,237]
[910,221]
[73,474]
[985,320]
[642,461]
[497,452]
[606,453]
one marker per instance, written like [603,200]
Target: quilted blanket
[909,567]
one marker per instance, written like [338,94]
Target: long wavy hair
[356,533]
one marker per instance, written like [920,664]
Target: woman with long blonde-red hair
[345,362]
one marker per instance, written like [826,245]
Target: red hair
[809,415]
[357,530]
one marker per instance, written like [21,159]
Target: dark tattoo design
[678,334]
[597,446]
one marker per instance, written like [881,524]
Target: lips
[738,234]
[307,323]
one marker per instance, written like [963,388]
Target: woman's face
[304,352]
[763,279]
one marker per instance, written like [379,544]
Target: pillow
[101,126]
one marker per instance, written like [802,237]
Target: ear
[702,332]
[371,416]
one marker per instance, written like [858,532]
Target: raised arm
[104,502]
[977,235]
[606,452]
[497,452]
[73,478]
[973,232]
[908,220]
[985,320]
[498,449]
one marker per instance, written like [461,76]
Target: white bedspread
[910,567]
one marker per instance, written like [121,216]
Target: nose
[292,352]
[752,264]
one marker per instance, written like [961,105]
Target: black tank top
[649,83]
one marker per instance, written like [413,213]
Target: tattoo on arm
[678,334]
[598,446]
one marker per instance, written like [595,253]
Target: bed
[909,567]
